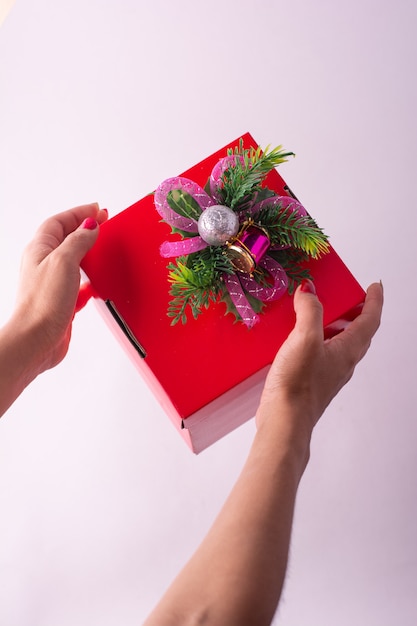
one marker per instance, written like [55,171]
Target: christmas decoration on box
[241,243]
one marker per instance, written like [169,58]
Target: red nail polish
[89,223]
[307,286]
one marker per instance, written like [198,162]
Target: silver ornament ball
[217,224]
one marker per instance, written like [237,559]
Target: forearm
[237,574]
[19,361]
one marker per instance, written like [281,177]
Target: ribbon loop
[247,314]
[217,173]
[182,248]
[274,291]
[168,214]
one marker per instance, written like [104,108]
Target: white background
[101,501]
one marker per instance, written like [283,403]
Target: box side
[226,413]
[134,351]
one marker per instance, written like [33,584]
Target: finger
[308,310]
[102,216]
[302,344]
[358,335]
[62,224]
[78,243]
[53,231]
[367,323]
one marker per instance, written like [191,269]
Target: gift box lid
[197,362]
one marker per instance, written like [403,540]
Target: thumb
[299,351]
[76,245]
[308,310]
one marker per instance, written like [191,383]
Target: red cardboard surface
[198,362]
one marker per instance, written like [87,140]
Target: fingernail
[307,286]
[89,223]
[106,211]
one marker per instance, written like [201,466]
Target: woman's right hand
[308,371]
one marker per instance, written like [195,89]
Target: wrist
[286,426]
[17,368]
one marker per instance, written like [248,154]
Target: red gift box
[207,374]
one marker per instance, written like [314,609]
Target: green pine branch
[287,228]
[196,281]
[241,181]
